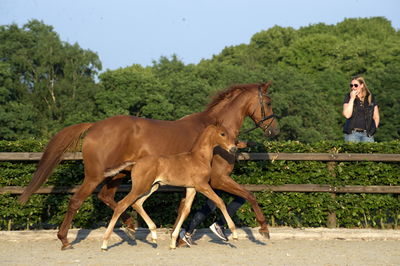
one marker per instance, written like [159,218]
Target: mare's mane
[229,93]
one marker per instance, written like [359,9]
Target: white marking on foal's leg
[235,235]
[153,235]
[104,246]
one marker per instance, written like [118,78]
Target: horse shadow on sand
[124,236]
[206,233]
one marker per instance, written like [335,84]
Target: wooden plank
[289,188]
[368,189]
[254,188]
[320,157]
[35,156]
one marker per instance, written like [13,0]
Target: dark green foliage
[47,84]
[289,209]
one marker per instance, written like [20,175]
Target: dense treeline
[47,84]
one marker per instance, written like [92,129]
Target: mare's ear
[265,86]
[218,123]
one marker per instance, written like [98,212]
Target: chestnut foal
[189,169]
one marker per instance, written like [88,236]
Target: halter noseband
[264,118]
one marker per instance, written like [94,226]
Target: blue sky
[137,32]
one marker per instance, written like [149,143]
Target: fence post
[331,221]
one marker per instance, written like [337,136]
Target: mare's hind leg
[107,194]
[75,203]
[227,184]
[207,191]
[138,206]
[190,193]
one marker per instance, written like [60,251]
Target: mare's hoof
[67,247]
[180,244]
[104,249]
[264,233]
[131,233]
[235,239]
[154,240]
[172,248]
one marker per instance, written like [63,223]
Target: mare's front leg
[227,184]
[184,212]
[207,191]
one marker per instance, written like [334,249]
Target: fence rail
[253,188]
[331,157]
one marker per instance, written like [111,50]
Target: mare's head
[221,137]
[260,109]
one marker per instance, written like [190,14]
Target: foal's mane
[229,93]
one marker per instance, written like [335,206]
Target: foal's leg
[119,209]
[227,184]
[190,193]
[138,206]
[180,208]
[209,193]
[107,194]
[87,187]
[142,185]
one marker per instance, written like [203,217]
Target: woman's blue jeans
[356,137]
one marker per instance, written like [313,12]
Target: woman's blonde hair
[365,89]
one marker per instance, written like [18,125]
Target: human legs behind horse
[217,228]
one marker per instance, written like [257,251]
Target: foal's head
[220,137]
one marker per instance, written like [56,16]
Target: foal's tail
[67,138]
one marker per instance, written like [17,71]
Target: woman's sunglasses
[355,85]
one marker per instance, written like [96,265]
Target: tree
[48,80]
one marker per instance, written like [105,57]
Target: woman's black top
[362,117]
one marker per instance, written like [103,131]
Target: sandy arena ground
[286,247]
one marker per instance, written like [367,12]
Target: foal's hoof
[131,233]
[67,247]
[172,248]
[235,239]
[104,249]
[264,233]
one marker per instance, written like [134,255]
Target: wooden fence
[330,158]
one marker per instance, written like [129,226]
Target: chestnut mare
[113,144]
[188,169]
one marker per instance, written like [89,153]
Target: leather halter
[259,124]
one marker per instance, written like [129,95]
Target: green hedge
[286,209]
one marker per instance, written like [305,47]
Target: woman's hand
[353,94]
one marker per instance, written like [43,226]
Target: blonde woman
[361,112]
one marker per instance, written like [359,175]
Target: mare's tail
[58,145]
